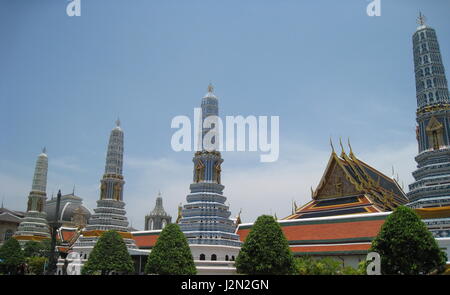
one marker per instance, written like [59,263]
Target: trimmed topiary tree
[11,257]
[266,250]
[33,248]
[109,254]
[36,264]
[406,246]
[171,254]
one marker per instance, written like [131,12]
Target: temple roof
[146,239]
[69,206]
[335,235]
[8,217]
[351,186]
[19,214]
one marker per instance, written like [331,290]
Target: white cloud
[66,163]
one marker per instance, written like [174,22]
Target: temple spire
[350,147]
[40,173]
[421,20]
[332,147]
[34,226]
[212,224]
[342,148]
[114,157]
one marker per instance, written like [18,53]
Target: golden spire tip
[342,147]
[332,147]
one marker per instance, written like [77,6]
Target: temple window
[8,234]
[202,257]
[213,257]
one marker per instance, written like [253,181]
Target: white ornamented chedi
[431,188]
[110,213]
[35,226]
[205,219]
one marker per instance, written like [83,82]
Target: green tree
[323,266]
[361,270]
[265,250]
[11,256]
[36,265]
[406,246]
[307,265]
[171,254]
[109,254]
[33,248]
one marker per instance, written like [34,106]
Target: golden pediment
[335,183]
[434,125]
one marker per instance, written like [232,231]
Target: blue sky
[325,67]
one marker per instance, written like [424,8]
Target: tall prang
[431,187]
[205,218]
[110,213]
[35,226]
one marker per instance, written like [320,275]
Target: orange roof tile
[331,249]
[327,231]
[145,241]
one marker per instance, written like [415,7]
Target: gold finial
[342,147]
[210,88]
[350,147]
[332,147]
[421,19]
[238,218]
[294,207]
